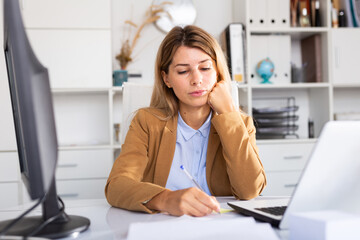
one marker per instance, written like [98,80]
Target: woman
[191,123]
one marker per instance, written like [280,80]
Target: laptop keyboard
[277,211]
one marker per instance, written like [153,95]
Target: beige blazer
[141,170]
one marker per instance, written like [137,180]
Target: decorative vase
[119,77]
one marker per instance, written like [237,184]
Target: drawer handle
[69,195]
[290,185]
[67,165]
[293,157]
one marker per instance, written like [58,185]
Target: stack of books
[276,122]
[305,13]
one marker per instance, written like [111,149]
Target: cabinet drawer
[9,195]
[81,189]
[9,167]
[281,183]
[284,156]
[82,164]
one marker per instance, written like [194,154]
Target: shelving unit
[318,101]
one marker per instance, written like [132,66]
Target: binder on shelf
[258,52]
[258,13]
[274,13]
[311,58]
[278,13]
[282,57]
[283,13]
[234,47]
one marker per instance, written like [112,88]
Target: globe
[265,69]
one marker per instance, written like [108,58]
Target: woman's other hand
[190,201]
[220,98]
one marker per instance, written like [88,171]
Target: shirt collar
[189,132]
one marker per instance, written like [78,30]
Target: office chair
[135,96]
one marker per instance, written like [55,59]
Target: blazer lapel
[213,146]
[166,152]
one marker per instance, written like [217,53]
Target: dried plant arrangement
[127,48]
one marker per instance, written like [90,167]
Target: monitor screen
[37,146]
[32,109]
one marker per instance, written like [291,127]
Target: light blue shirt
[190,151]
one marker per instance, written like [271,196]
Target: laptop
[330,180]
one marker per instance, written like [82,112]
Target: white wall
[212,15]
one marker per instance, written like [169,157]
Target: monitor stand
[64,226]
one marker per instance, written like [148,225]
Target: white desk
[112,223]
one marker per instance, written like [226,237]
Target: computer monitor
[37,145]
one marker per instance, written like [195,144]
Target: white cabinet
[283,163]
[81,189]
[9,179]
[9,167]
[288,156]
[9,194]
[84,164]
[345,47]
[346,80]
[83,173]
[281,183]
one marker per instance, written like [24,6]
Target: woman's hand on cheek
[220,98]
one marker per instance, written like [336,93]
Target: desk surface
[113,223]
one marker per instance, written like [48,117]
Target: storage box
[324,225]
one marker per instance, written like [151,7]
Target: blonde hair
[164,98]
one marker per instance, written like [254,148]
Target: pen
[195,182]
[191,178]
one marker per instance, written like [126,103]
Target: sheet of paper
[191,228]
